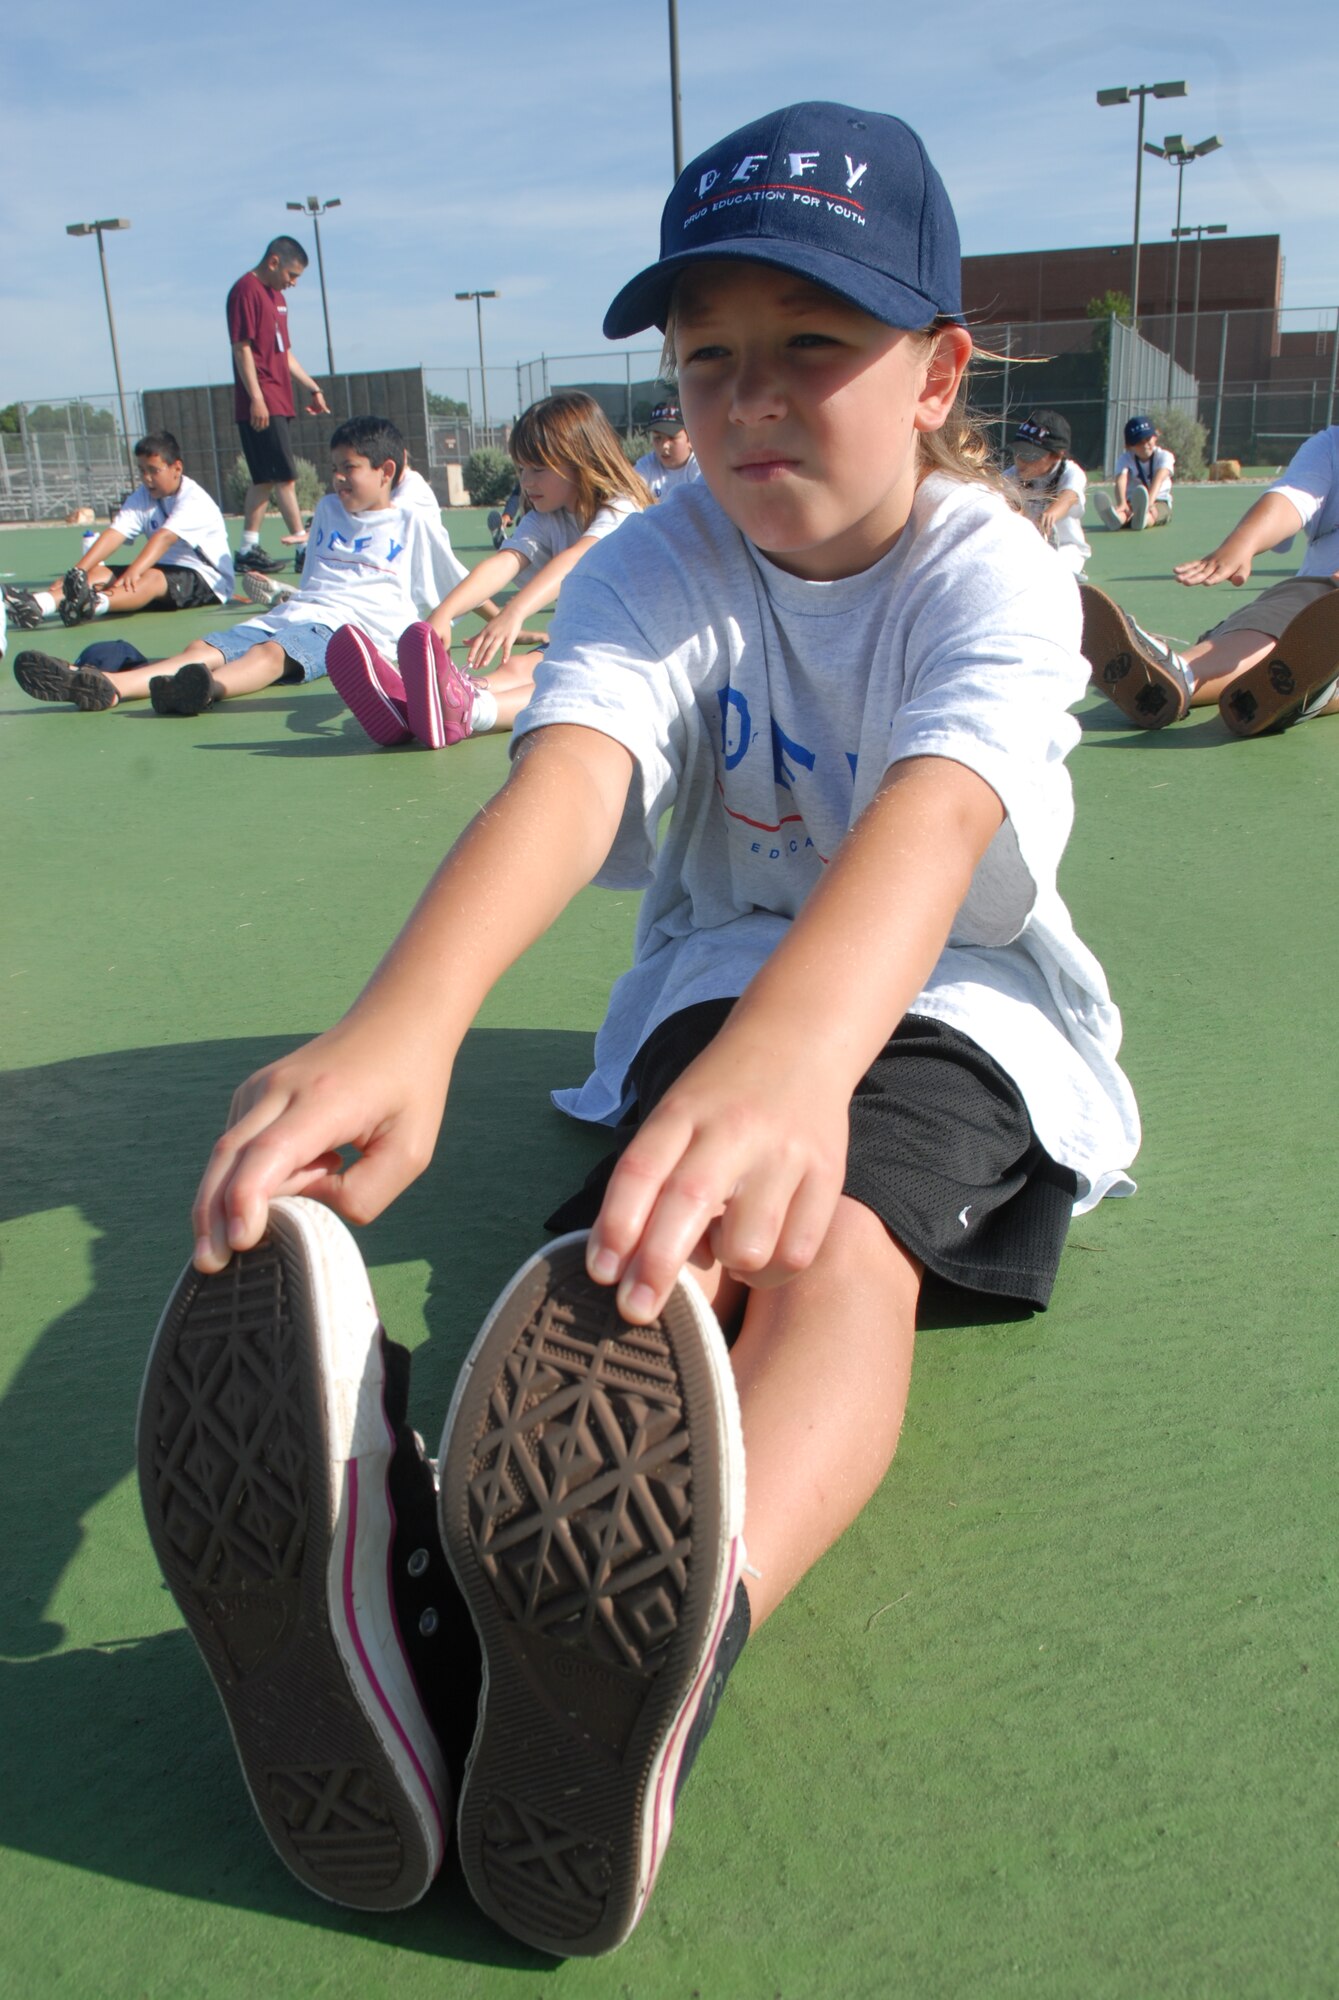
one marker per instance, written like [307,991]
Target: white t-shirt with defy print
[765,710]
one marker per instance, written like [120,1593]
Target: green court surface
[1056,1718]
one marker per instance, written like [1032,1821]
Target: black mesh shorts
[268,453]
[941,1149]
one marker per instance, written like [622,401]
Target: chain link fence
[1258,381]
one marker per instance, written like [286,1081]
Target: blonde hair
[961,446]
[571,435]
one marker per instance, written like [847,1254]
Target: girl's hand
[498,636]
[1225,565]
[743,1158]
[362,1084]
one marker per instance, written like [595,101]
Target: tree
[73,419]
[1111,305]
[447,406]
[9,419]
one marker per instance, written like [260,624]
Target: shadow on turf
[117,1762]
[117,1759]
[121,1139]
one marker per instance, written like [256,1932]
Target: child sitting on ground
[368,558]
[185,563]
[1143,481]
[1274,662]
[1050,486]
[578,488]
[670,462]
[818,709]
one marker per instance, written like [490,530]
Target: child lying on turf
[185,563]
[817,709]
[1274,662]
[368,558]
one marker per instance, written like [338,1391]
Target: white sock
[101,605]
[46,603]
[483,715]
[250,540]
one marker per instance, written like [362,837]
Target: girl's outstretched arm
[377,1081]
[537,591]
[495,572]
[748,1149]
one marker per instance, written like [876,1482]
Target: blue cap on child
[1140,428]
[846,198]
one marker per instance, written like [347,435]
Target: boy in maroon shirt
[264,370]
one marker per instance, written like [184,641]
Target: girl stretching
[577,487]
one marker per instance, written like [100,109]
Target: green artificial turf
[1056,1718]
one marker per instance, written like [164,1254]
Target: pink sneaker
[438,696]
[592,1509]
[369,684]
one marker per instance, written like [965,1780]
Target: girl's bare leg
[258,667]
[822,1365]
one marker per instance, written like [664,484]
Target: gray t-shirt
[765,711]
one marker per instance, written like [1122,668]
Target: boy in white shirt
[818,709]
[185,563]
[670,463]
[368,560]
[1050,486]
[1143,481]
[1270,664]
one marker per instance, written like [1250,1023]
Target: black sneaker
[299,556]
[78,599]
[266,1448]
[496,529]
[48,679]
[189,691]
[592,1502]
[23,609]
[257,558]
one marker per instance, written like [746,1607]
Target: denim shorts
[304,646]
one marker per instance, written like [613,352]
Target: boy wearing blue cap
[670,463]
[1143,481]
[859,1041]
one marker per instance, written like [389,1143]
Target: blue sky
[529,150]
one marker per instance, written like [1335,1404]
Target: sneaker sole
[592,1504]
[368,685]
[262,589]
[1273,694]
[48,679]
[1144,692]
[264,1453]
[189,691]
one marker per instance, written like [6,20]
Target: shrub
[489,476]
[237,479]
[1183,433]
[636,445]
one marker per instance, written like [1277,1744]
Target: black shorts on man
[268,453]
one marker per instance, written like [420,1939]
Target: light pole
[478,298]
[96,229]
[1199,230]
[1177,154]
[676,108]
[1122,95]
[316,209]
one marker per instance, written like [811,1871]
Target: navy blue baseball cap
[846,198]
[111,656]
[1140,428]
